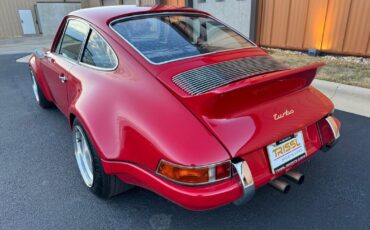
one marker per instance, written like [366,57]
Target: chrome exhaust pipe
[280,185]
[295,176]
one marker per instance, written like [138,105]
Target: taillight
[223,170]
[329,131]
[197,175]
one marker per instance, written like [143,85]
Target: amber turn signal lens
[194,175]
[182,174]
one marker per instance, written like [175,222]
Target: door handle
[62,78]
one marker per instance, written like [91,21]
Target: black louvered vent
[204,79]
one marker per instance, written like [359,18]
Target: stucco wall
[129,2]
[236,13]
[51,14]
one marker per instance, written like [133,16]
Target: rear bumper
[238,190]
[252,171]
[190,197]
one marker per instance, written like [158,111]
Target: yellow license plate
[286,152]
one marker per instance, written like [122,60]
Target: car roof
[101,16]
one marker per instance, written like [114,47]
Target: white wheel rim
[35,88]
[83,156]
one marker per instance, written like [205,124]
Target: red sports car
[175,101]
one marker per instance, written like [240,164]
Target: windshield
[162,38]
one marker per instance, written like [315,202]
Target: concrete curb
[347,98]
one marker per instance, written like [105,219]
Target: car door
[58,63]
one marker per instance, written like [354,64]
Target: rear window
[163,38]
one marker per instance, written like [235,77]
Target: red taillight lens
[327,135]
[223,170]
[329,130]
[194,175]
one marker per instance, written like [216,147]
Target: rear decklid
[249,102]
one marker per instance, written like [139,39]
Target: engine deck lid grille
[203,79]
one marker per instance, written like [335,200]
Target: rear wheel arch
[74,115]
[93,173]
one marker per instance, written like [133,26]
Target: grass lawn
[337,69]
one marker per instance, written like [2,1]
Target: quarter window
[98,53]
[74,36]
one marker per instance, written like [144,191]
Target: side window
[98,53]
[58,46]
[60,39]
[73,38]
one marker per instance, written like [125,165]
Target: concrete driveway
[41,188]
[24,44]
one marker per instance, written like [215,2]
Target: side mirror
[40,53]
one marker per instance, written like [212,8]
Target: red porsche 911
[175,101]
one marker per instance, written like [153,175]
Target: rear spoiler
[257,89]
[304,74]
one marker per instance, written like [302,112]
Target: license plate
[286,152]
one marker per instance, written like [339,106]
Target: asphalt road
[40,187]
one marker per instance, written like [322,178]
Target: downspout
[189,3]
[253,20]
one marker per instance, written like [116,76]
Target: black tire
[103,185]
[39,95]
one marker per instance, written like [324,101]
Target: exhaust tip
[295,176]
[301,180]
[287,189]
[280,185]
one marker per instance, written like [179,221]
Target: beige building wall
[147,2]
[95,3]
[90,3]
[10,25]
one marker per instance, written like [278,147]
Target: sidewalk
[24,44]
[347,98]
